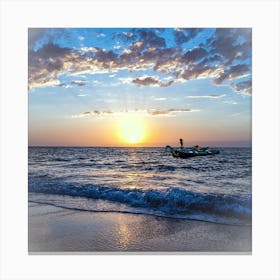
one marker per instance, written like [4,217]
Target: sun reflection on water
[124,234]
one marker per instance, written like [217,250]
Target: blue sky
[191,83]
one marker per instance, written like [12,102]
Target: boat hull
[189,153]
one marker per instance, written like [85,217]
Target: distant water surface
[144,180]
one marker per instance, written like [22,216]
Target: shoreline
[53,229]
[139,213]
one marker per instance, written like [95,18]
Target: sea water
[150,181]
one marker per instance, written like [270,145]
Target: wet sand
[58,230]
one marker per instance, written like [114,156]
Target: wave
[170,202]
[61,159]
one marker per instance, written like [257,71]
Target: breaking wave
[171,202]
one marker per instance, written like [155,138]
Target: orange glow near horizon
[132,130]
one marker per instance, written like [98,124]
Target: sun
[132,130]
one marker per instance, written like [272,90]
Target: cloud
[234,72]
[41,36]
[150,112]
[137,46]
[167,112]
[243,87]
[89,49]
[35,34]
[183,35]
[117,47]
[151,39]
[195,55]
[45,64]
[211,96]
[151,81]
[124,36]
[223,57]
[46,83]
[78,83]
[100,34]
[92,113]
[232,44]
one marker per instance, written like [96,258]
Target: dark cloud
[183,35]
[45,64]
[212,59]
[147,81]
[233,72]
[126,36]
[151,81]
[195,71]
[130,60]
[150,39]
[35,34]
[73,83]
[105,57]
[230,44]
[195,55]
[243,87]
[42,36]
[165,60]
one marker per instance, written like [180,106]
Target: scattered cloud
[117,47]
[224,57]
[125,80]
[243,87]
[149,112]
[78,83]
[231,102]
[92,113]
[100,34]
[167,112]
[148,38]
[211,96]
[151,81]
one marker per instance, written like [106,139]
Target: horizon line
[86,146]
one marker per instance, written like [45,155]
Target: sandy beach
[55,229]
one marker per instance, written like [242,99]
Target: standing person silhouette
[181,143]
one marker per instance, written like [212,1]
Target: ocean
[144,181]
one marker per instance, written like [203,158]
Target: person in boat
[196,147]
[181,143]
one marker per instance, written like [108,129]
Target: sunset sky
[139,86]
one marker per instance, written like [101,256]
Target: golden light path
[132,130]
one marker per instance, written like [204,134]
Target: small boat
[190,152]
